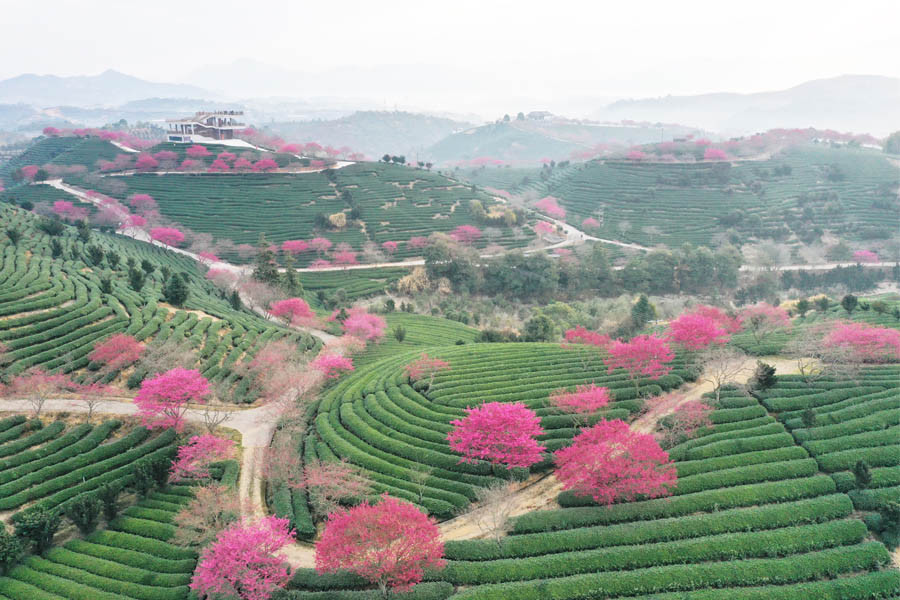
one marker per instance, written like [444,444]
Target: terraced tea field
[753,515]
[685,202]
[46,467]
[53,310]
[396,203]
[377,421]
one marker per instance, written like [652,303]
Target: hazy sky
[617,48]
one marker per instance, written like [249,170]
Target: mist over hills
[857,103]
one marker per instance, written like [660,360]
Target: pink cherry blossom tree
[730,323]
[37,386]
[345,257]
[116,352]
[163,400]
[142,202]
[294,247]
[219,166]
[320,244]
[466,234]
[197,151]
[611,462]
[417,242]
[332,365]
[364,326]
[503,434]
[242,164]
[190,164]
[166,156]
[390,544]
[167,235]
[145,162]
[684,423]
[543,228]
[864,343]
[635,156]
[134,221]
[644,356]
[227,156]
[292,310]
[194,457]
[243,562]
[585,401]
[763,319]
[590,223]
[587,343]
[28,172]
[389,247]
[865,256]
[425,367]
[264,165]
[549,205]
[67,211]
[329,482]
[714,154]
[695,332]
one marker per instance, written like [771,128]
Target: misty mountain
[373,133]
[109,88]
[857,103]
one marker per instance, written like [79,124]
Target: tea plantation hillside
[51,465]
[850,192]
[59,295]
[377,421]
[757,513]
[394,203]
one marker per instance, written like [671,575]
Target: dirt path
[539,493]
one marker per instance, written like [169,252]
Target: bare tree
[418,476]
[496,504]
[159,358]
[213,418]
[721,365]
[816,360]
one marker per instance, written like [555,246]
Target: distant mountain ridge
[857,103]
[110,88]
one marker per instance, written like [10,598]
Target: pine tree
[862,474]
[235,300]
[176,290]
[266,269]
[290,283]
[642,312]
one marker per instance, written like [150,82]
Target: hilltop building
[205,127]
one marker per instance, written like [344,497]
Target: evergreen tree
[862,474]
[642,312]
[235,300]
[106,285]
[10,549]
[290,282]
[38,527]
[84,232]
[176,290]
[135,279]
[803,306]
[763,376]
[265,269]
[84,511]
[108,494]
[849,303]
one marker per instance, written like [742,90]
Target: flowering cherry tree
[585,401]
[264,165]
[865,256]
[714,154]
[142,202]
[227,156]
[332,365]
[163,400]
[67,211]
[390,544]
[291,310]
[345,257]
[243,561]
[389,247]
[549,205]
[466,234]
[197,151]
[863,343]
[165,155]
[425,367]
[418,242]
[611,462]
[590,223]
[116,352]
[242,164]
[642,356]
[694,331]
[587,342]
[543,228]
[364,326]
[193,459]
[320,244]
[145,162]
[29,171]
[37,386]
[683,424]
[219,166]
[763,319]
[503,434]
[730,323]
[167,235]
[328,482]
[635,156]
[294,247]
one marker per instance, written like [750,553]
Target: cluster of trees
[538,277]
